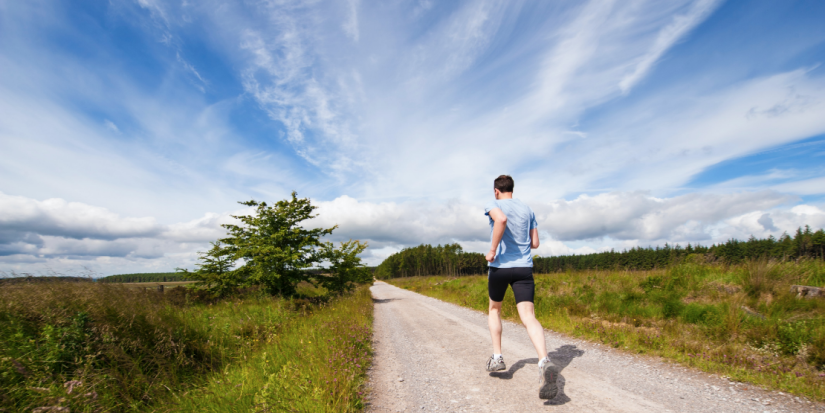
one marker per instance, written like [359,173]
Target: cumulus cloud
[205,229]
[402,223]
[59,233]
[69,220]
[640,216]
[618,216]
[56,228]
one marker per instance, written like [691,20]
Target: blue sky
[129,130]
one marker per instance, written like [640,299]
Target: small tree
[215,270]
[274,248]
[345,268]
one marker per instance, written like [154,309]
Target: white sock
[496,356]
[542,361]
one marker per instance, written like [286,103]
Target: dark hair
[504,183]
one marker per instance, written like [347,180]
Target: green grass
[742,322]
[316,363]
[103,347]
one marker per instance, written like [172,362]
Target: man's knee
[526,309]
[495,305]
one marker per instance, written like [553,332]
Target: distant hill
[152,277]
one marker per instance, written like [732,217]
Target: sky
[130,130]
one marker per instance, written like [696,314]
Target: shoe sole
[549,388]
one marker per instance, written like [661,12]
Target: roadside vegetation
[265,328]
[92,347]
[741,321]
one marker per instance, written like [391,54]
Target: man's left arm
[534,238]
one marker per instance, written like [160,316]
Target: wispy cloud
[351,25]
[682,24]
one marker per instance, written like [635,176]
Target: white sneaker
[548,376]
[495,364]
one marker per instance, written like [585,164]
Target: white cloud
[401,224]
[64,235]
[72,234]
[70,219]
[639,216]
[202,230]
[611,218]
[681,25]
[813,186]
[111,125]
[351,25]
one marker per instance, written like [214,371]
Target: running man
[514,232]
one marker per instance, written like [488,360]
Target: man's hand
[491,256]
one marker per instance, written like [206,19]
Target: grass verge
[315,363]
[95,347]
[741,322]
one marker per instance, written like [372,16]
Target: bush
[793,336]
[672,307]
[701,314]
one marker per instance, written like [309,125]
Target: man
[514,233]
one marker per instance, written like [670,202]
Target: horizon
[132,129]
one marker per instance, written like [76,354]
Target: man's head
[503,185]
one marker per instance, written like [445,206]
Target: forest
[451,259]
[145,278]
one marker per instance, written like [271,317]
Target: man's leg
[526,312]
[524,290]
[494,321]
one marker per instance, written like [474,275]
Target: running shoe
[548,376]
[495,364]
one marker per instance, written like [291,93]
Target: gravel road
[430,355]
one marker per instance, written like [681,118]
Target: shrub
[701,314]
[671,306]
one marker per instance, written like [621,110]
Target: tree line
[425,259]
[145,278]
[450,259]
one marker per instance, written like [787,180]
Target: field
[742,321]
[168,284]
[94,347]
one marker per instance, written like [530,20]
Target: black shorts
[520,278]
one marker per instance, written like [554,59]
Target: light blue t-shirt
[514,249]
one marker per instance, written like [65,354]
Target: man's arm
[534,238]
[499,224]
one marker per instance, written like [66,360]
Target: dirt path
[430,356]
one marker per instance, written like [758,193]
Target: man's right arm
[534,238]
[499,225]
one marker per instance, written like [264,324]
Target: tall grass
[92,347]
[315,363]
[740,321]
